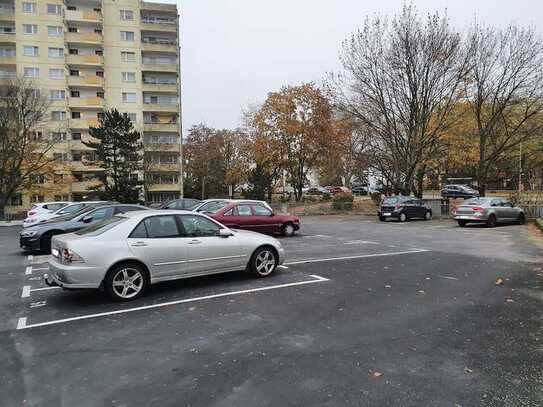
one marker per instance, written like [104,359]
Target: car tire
[45,243]
[402,217]
[382,218]
[462,223]
[288,230]
[428,215]
[126,282]
[492,221]
[263,262]
[521,219]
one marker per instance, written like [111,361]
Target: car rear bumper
[385,214]
[470,218]
[74,277]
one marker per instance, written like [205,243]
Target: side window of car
[496,202]
[230,212]
[507,204]
[244,210]
[261,210]
[161,227]
[140,232]
[102,213]
[198,226]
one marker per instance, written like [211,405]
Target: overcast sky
[236,51]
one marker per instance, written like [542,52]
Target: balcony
[8,60]
[7,37]
[85,60]
[160,87]
[159,147]
[7,14]
[86,81]
[161,127]
[159,45]
[163,188]
[87,102]
[164,167]
[153,107]
[86,16]
[160,67]
[83,123]
[84,186]
[84,38]
[153,6]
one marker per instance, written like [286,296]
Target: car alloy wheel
[492,221]
[521,219]
[288,229]
[428,215]
[125,282]
[263,262]
[403,217]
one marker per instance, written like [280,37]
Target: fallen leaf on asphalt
[499,281]
[377,374]
[468,370]
[388,286]
[422,292]
[510,300]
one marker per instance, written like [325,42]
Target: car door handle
[195,241]
[139,244]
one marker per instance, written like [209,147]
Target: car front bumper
[76,276]
[29,243]
[281,252]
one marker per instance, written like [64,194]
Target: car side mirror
[87,219]
[225,233]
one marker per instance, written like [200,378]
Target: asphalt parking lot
[364,314]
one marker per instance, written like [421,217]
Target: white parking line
[44,289]
[30,258]
[353,242]
[41,269]
[28,271]
[22,322]
[363,256]
[26,291]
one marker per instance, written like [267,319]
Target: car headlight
[29,233]
[34,220]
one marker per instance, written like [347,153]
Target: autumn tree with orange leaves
[295,125]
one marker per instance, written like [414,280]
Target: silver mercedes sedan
[488,210]
[125,254]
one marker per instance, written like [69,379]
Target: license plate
[463,217]
[387,214]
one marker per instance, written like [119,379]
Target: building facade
[89,56]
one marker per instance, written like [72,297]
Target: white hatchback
[125,254]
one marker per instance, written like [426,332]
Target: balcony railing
[87,102]
[83,15]
[88,60]
[84,38]
[86,81]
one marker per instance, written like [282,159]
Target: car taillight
[69,256]
[397,206]
[31,213]
[477,209]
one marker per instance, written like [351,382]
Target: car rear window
[102,227]
[477,201]
[390,200]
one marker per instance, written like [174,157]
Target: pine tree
[119,150]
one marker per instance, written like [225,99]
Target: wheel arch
[128,261]
[265,245]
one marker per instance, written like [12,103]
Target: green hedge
[343,201]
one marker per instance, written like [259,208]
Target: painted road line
[41,269]
[448,278]
[355,257]
[353,242]
[282,267]
[26,291]
[22,322]
[30,258]
[28,270]
[44,289]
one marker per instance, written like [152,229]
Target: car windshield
[477,201]
[101,227]
[69,216]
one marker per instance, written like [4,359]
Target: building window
[127,36]
[100,94]
[132,116]
[61,198]
[74,72]
[58,136]
[37,136]
[75,94]
[129,77]
[16,200]
[54,9]
[57,116]
[127,15]
[76,156]
[76,136]
[31,29]
[129,97]
[73,51]
[76,115]
[128,56]
[72,29]
[56,52]
[57,95]
[29,8]
[7,52]
[100,74]
[56,73]
[37,198]
[55,31]
[31,72]
[30,51]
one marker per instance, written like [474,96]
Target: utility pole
[520,170]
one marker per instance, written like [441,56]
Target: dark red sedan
[256,217]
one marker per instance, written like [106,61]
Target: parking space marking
[22,322]
[44,289]
[28,270]
[26,291]
[30,258]
[362,256]
[448,277]
[353,242]
[41,269]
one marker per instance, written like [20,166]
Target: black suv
[39,237]
[459,191]
[403,208]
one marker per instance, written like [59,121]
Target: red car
[256,217]
[338,190]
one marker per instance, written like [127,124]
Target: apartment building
[92,55]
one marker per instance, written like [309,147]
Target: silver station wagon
[126,253]
[488,210]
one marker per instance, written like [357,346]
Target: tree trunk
[2,206]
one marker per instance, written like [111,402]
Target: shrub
[376,198]
[343,201]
